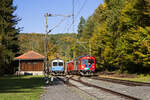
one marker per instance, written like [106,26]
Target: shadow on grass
[23,84]
[7,91]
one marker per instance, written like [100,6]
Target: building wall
[31,65]
[30,73]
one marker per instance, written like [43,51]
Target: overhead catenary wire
[73,14]
[77,3]
[83,5]
[78,13]
[73,8]
[65,27]
[61,21]
[46,68]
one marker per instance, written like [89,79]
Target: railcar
[57,67]
[84,65]
[70,67]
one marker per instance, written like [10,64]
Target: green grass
[133,77]
[21,88]
[140,78]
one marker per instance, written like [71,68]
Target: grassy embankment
[131,77]
[140,78]
[21,88]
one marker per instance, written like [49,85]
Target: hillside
[60,44]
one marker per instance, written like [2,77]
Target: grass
[137,78]
[140,78]
[21,88]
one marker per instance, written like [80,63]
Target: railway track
[123,82]
[97,87]
[66,81]
[107,90]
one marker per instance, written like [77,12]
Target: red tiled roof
[30,55]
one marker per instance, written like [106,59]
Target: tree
[106,33]
[31,41]
[135,41]
[8,33]
[2,57]
[81,26]
[88,29]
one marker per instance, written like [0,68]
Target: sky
[31,13]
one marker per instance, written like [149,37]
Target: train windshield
[84,62]
[91,61]
[60,63]
[54,63]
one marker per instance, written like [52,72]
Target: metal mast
[46,67]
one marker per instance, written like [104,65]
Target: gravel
[142,92]
[96,93]
[60,91]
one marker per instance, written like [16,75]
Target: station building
[30,63]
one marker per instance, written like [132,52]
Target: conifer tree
[81,26]
[88,29]
[8,33]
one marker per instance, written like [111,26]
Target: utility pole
[46,67]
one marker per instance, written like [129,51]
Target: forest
[9,47]
[60,45]
[119,31]
[118,34]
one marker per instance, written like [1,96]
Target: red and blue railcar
[82,65]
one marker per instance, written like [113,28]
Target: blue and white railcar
[57,66]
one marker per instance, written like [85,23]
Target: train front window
[84,62]
[91,61]
[54,63]
[60,63]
